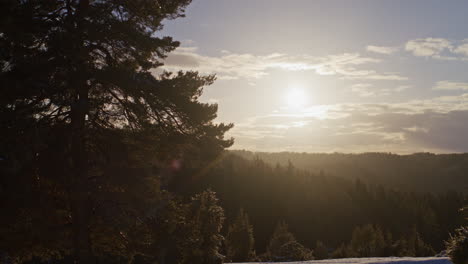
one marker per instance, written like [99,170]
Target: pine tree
[342,251]
[240,239]
[417,246]
[294,251]
[457,246]
[320,251]
[280,237]
[464,211]
[389,249]
[283,246]
[84,119]
[367,241]
[401,248]
[203,238]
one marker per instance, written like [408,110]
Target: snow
[390,260]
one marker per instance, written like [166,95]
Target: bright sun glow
[296,98]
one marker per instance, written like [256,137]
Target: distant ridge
[414,172]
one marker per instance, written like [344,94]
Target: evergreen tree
[203,238]
[294,251]
[280,237]
[240,239]
[388,250]
[464,211]
[85,121]
[320,251]
[457,246]
[401,248]
[166,232]
[283,246]
[342,251]
[367,241]
[417,246]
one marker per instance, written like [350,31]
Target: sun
[296,98]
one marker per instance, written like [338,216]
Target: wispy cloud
[234,66]
[363,89]
[438,48]
[451,86]
[382,49]
[429,47]
[462,49]
[369,90]
[402,88]
[417,125]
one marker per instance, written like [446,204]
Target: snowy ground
[431,260]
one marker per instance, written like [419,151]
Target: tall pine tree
[204,222]
[240,239]
[84,119]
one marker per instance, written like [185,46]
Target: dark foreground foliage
[457,246]
[91,132]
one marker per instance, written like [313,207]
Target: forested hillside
[415,172]
[327,208]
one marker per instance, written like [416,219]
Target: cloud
[349,66]
[439,48]
[413,126]
[451,86]
[428,47]
[462,49]
[188,42]
[417,129]
[229,65]
[402,88]
[373,75]
[363,89]
[368,90]
[398,89]
[382,49]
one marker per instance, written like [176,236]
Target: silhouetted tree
[283,246]
[240,239]
[457,246]
[280,237]
[367,241]
[320,251]
[84,119]
[203,238]
[416,246]
[401,248]
[464,211]
[341,251]
[293,251]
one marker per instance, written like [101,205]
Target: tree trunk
[80,191]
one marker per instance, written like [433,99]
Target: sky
[332,75]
